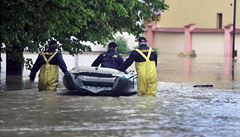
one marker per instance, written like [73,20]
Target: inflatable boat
[99,81]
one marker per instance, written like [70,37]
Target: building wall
[203,13]
[208,43]
[203,43]
[169,43]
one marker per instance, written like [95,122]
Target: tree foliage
[30,23]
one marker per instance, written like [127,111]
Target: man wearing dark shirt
[109,59]
[48,62]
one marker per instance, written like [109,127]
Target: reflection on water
[178,110]
[218,71]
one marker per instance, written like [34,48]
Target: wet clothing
[145,63]
[109,59]
[48,76]
[48,62]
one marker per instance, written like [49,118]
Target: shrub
[122,45]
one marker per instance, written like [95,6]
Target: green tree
[30,23]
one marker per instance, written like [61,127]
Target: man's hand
[67,73]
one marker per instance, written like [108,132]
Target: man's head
[53,45]
[142,40]
[112,46]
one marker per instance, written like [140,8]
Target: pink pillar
[188,37]
[150,33]
[228,68]
[187,62]
[228,40]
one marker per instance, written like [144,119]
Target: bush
[122,45]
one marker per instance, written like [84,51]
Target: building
[203,13]
[201,25]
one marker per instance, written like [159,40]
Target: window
[219,20]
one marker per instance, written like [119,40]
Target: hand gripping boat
[99,81]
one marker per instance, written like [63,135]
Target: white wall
[131,43]
[208,43]
[170,43]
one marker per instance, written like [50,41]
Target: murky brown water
[178,110]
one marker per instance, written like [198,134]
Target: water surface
[178,110]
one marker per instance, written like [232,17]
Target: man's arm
[61,62]
[35,68]
[128,62]
[97,61]
[156,58]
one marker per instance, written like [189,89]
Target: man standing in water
[48,62]
[109,59]
[145,64]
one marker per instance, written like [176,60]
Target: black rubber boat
[99,81]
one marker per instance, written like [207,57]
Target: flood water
[178,110]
